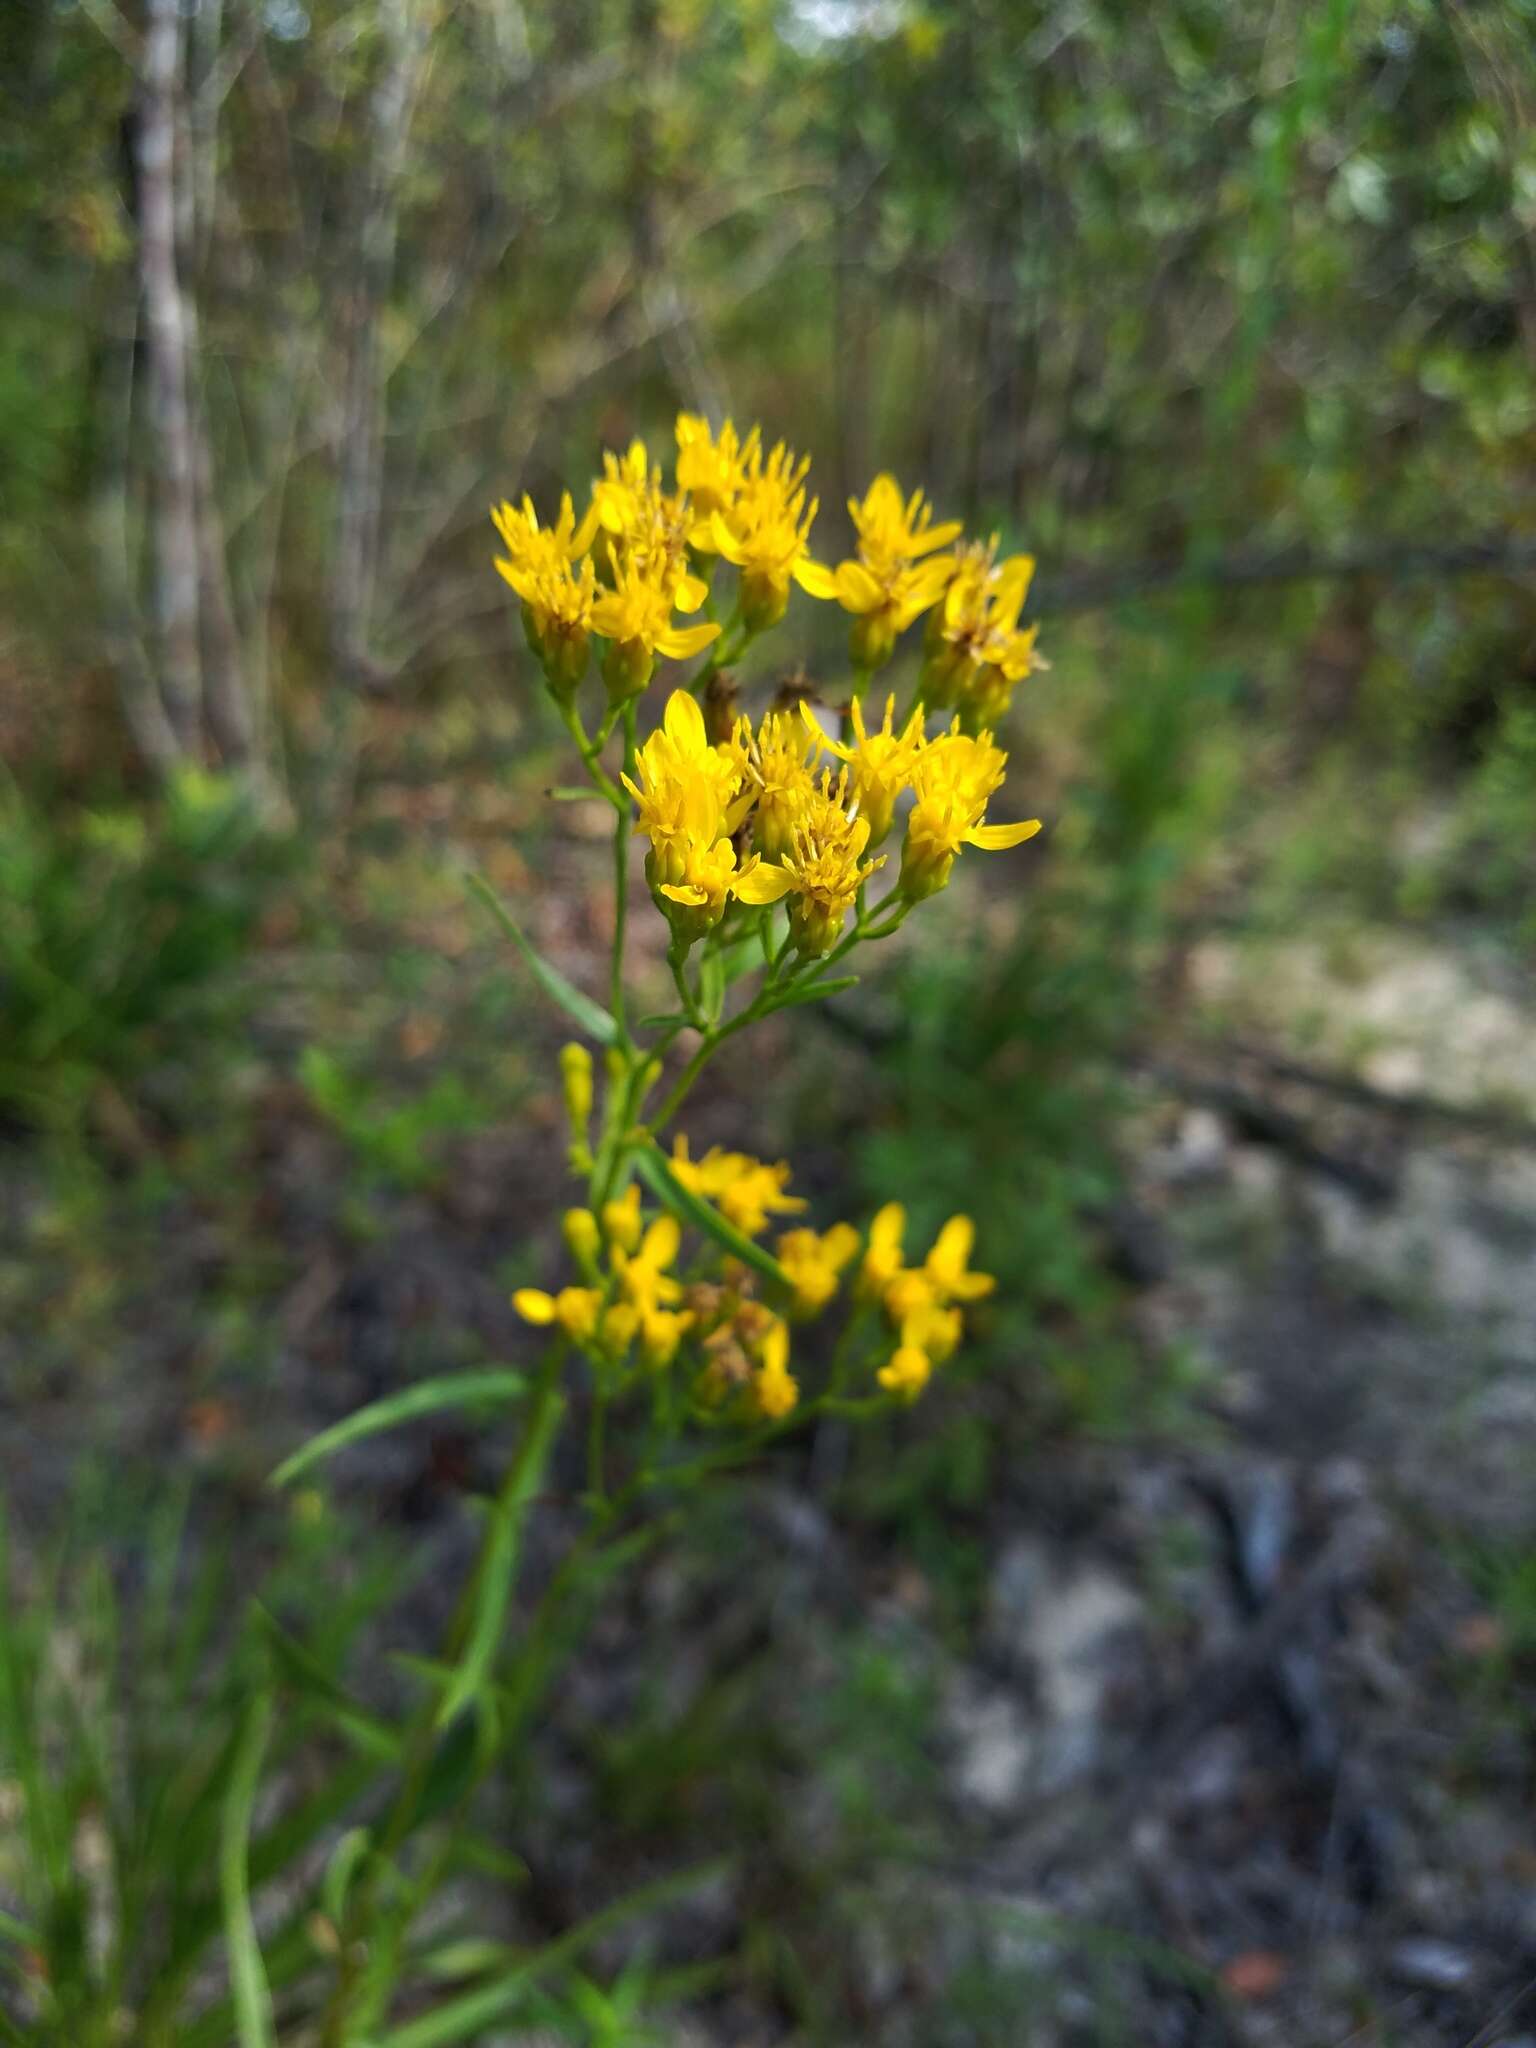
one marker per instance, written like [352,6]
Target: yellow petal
[690,593]
[857,590]
[660,1244]
[534,1305]
[678,642]
[723,540]
[814,578]
[995,837]
[685,892]
[683,723]
[765,883]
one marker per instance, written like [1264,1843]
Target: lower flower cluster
[652,1304]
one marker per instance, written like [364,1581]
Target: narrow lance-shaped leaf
[493,1588]
[592,1017]
[452,1390]
[247,1977]
[687,1207]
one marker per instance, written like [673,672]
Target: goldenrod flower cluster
[719,1330]
[775,844]
[642,554]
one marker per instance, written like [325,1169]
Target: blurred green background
[1224,311]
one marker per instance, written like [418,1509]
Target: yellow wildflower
[533,549]
[558,599]
[952,781]
[582,1237]
[822,870]
[621,1219]
[618,495]
[710,874]
[776,764]
[661,1334]
[907,1373]
[635,617]
[766,534]
[575,1309]
[889,585]
[814,1263]
[882,1252]
[948,1264]
[685,790]
[774,1387]
[642,1275]
[711,470]
[745,1190]
[880,762]
[976,652]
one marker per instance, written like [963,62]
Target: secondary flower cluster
[720,1328]
[808,829]
[643,556]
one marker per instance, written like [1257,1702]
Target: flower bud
[576,1073]
[564,656]
[582,1237]
[626,670]
[764,601]
[872,640]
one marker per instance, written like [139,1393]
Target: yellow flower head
[814,1263]
[822,870]
[621,1219]
[642,1276]
[896,529]
[776,765]
[746,1191]
[907,1373]
[952,782]
[533,549]
[685,793]
[712,471]
[619,494]
[766,533]
[774,1388]
[976,651]
[948,1267]
[710,876]
[635,617]
[889,585]
[558,598]
[880,763]
[575,1309]
[882,1253]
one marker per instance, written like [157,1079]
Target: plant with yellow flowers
[701,1303]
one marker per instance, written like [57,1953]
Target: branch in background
[1089,590]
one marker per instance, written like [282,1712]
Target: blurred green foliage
[122,933]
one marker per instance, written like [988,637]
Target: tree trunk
[360,483]
[171,439]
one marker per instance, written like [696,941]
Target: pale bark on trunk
[360,483]
[171,438]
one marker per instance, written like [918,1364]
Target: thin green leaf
[712,986]
[592,1017]
[452,1390]
[465,2018]
[340,1871]
[652,1167]
[575,793]
[366,1729]
[493,1588]
[247,1977]
[813,991]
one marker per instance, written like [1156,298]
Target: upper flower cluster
[642,558]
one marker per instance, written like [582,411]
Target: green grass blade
[452,1390]
[466,2017]
[813,991]
[493,1589]
[592,1017]
[248,1978]
[652,1167]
